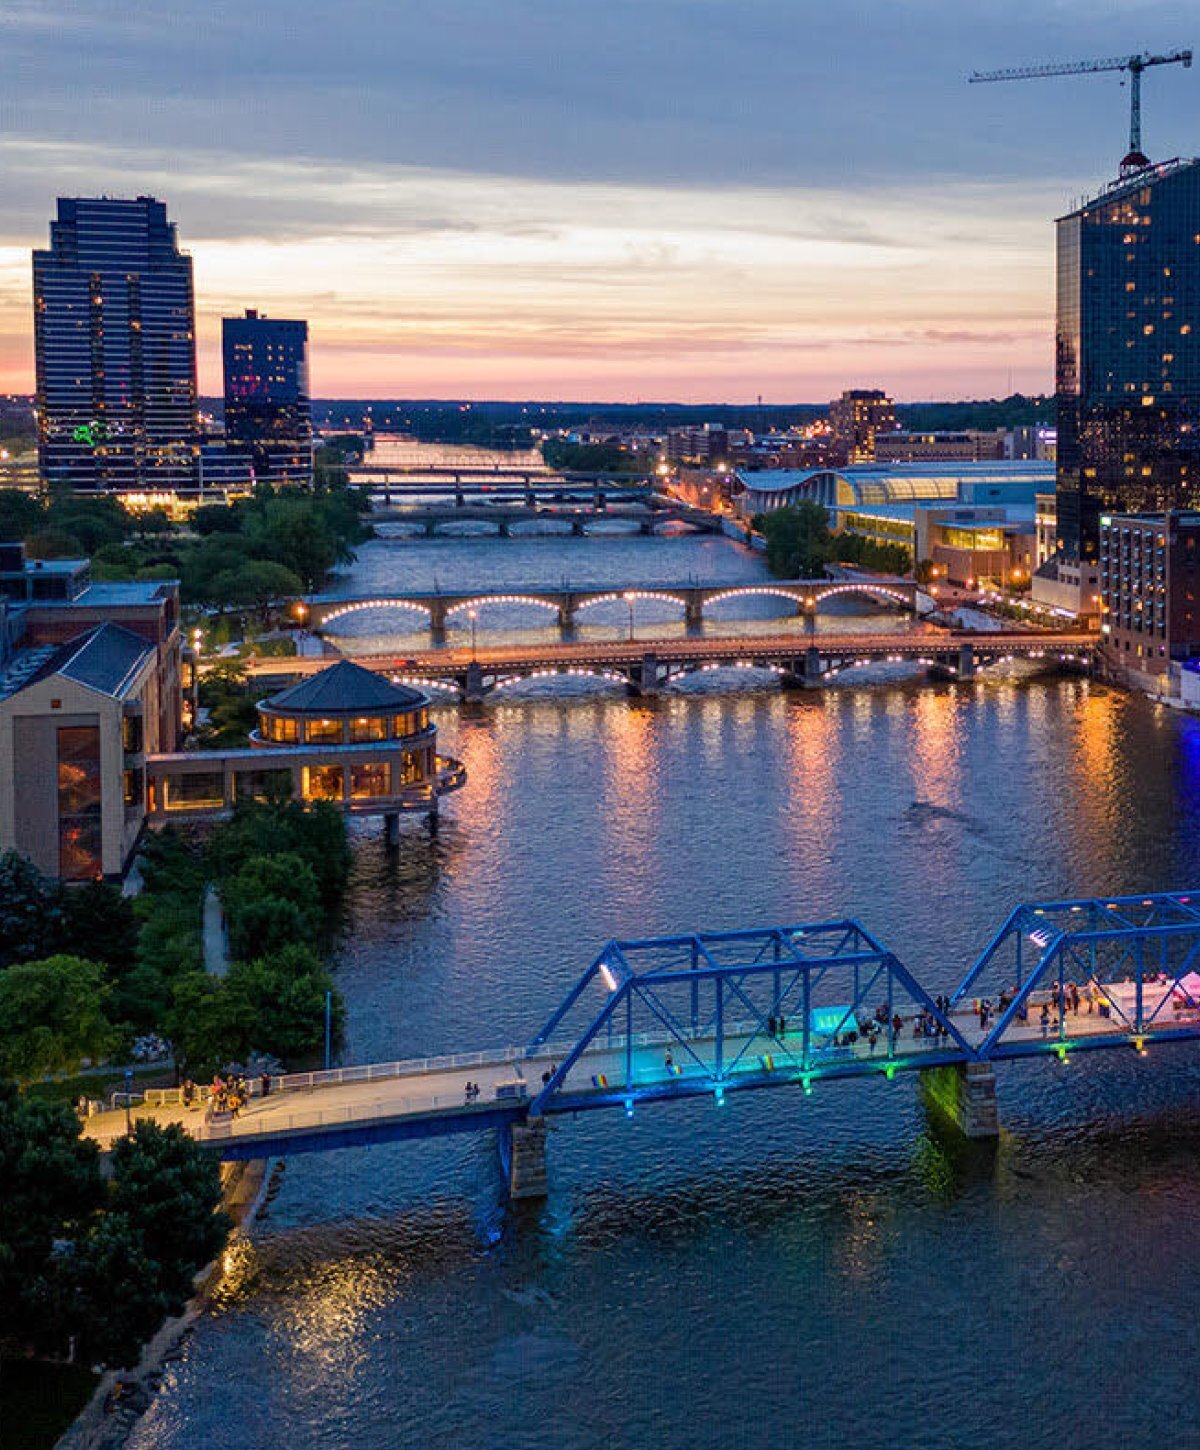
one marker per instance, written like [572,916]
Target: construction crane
[1134,64]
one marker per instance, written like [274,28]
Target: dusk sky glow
[672,199]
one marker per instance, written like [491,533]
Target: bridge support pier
[966,662]
[526,1157]
[693,610]
[566,616]
[473,685]
[646,676]
[812,665]
[963,1095]
[391,828]
[577,529]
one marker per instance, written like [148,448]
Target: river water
[782,1271]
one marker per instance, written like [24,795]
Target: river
[782,1271]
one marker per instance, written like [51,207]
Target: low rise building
[965,446]
[91,718]
[1150,590]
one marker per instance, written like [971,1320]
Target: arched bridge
[799,1008]
[566,602]
[431,520]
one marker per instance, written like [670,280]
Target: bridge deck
[423,1100]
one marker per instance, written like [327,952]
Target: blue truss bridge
[793,1007]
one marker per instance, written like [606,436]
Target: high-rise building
[1128,353]
[115,341]
[267,404]
[856,418]
[1150,587]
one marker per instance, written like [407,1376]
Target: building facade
[1128,353]
[267,404]
[115,349]
[968,446]
[1150,590]
[856,419]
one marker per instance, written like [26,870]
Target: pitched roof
[345,689]
[105,659]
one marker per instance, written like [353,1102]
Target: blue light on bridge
[829,1021]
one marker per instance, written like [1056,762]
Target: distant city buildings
[857,419]
[968,446]
[267,405]
[115,349]
[1128,353]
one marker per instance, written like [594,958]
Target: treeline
[92,1262]
[800,544]
[85,972]
[594,457]
[273,545]
[985,414]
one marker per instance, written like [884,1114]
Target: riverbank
[121,1397]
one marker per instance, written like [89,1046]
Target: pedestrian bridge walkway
[661,1019]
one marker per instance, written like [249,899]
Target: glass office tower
[115,341]
[267,405]
[1127,367]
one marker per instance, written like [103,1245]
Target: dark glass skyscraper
[267,405]
[1128,352]
[115,340]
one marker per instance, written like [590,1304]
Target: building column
[964,1096]
[526,1154]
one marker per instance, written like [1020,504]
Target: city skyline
[572,209]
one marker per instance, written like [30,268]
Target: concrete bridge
[645,666]
[501,519]
[799,1008]
[804,596]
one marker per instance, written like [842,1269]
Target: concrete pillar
[577,529]
[964,1096]
[437,616]
[812,665]
[693,609]
[566,612]
[391,828]
[430,528]
[648,680]
[460,498]
[505,529]
[966,662]
[527,1177]
[473,686]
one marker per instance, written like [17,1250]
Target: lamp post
[629,598]
[473,615]
[328,1025]
[128,1097]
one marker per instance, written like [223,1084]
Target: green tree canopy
[51,1016]
[30,918]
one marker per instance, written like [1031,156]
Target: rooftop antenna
[1135,159]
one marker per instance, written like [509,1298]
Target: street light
[473,615]
[128,1097]
[629,598]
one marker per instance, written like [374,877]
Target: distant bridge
[502,518]
[705,1015]
[646,665]
[566,601]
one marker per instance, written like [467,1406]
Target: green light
[807,1082]
[1061,1049]
[890,1071]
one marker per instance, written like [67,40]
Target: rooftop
[345,689]
[105,659]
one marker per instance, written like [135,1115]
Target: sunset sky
[698,200]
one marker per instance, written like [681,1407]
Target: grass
[38,1401]
[99,1084]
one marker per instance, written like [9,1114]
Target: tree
[50,1191]
[273,900]
[51,1016]
[281,997]
[206,1025]
[265,924]
[798,540]
[99,922]
[30,919]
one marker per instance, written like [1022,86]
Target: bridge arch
[777,591]
[624,596]
[588,672]
[879,592]
[361,606]
[465,604]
